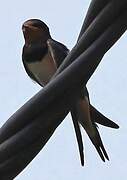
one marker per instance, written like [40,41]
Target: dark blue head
[35,30]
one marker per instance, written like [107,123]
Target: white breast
[43,70]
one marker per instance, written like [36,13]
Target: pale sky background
[59,159]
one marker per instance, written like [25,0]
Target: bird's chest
[44,69]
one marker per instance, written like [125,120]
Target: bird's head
[35,30]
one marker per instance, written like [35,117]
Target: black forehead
[37,23]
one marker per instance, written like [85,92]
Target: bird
[42,56]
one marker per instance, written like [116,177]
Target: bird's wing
[58,51]
[99,118]
[96,116]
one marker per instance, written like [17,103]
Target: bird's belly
[43,70]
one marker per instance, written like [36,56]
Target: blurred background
[59,159]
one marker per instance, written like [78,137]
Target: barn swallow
[41,57]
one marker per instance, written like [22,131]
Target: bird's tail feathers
[78,134]
[83,110]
